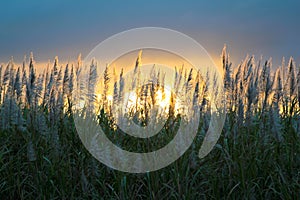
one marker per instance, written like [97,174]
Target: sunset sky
[66,28]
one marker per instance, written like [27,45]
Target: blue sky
[66,28]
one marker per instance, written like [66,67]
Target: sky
[67,28]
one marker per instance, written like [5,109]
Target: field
[256,157]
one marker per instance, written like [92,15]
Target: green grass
[250,166]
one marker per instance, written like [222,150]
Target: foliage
[257,156]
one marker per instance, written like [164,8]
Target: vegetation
[257,156]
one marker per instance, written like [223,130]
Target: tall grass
[257,156]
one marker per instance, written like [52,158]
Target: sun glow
[161,98]
[155,86]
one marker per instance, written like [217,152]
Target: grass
[250,166]
[256,157]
